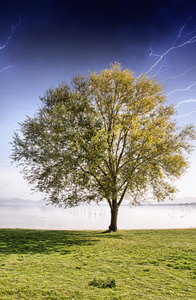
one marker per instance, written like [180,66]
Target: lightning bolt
[182,90]
[5,68]
[181,29]
[13,28]
[161,56]
[180,75]
[185,101]
[172,48]
[162,69]
[186,115]
[2,47]
[160,66]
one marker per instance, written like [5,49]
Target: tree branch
[122,195]
[121,154]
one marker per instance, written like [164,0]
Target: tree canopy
[107,136]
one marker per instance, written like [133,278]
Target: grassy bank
[145,264]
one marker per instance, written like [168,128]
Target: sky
[48,41]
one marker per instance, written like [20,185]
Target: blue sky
[56,39]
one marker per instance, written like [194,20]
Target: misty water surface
[97,217]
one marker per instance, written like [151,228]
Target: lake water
[97,217]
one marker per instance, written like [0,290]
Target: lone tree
[106,136]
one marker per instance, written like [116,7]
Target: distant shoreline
[123,204]
[21,202]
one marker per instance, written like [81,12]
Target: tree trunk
[114,216]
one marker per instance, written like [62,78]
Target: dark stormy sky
[47,41]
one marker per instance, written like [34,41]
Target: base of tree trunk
[111,228]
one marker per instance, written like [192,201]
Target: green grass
[145,264]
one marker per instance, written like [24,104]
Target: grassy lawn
[146,264]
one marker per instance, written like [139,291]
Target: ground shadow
[106,231]
[42,241]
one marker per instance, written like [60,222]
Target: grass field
[145,264]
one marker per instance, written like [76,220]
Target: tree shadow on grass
[23,241]
[110,234]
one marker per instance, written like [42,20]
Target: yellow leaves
[120,91]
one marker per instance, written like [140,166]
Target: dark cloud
[60,31]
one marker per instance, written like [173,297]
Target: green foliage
[106,136]
[104,283]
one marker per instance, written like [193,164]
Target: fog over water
[93,217]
